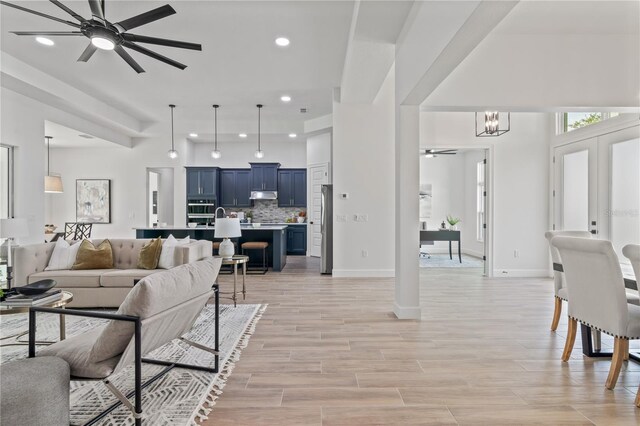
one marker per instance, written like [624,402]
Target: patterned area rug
[181,397]
[442,261]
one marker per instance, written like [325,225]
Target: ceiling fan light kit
[105,35]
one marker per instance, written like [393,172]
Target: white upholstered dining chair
[560,290]
[632,252]
[597,296]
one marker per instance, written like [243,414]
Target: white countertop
[265,227]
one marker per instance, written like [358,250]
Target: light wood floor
[329,351]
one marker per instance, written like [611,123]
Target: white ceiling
[239,66]
[65,137]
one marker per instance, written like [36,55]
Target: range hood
[264,195]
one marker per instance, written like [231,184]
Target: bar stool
[257,245]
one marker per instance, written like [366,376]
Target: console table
[443,235]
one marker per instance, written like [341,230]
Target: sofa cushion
[150,254]
[155,293]
[75,350]
[63,256]
[124,277]
[71,279]
[169,252]
[92,257]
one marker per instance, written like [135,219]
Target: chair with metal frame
[74,231]
[151,329]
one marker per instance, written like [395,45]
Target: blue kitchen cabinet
[202,182]
[264,176]
[292,188]
[234,188]
[297,240]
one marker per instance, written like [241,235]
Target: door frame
[489,199]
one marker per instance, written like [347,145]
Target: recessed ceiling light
[242,135]
[45,41]
[292,135]
[285,98]
[282,41]
[193,135]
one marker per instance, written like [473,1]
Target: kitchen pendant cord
[215,125]
[172,145]
[259,108]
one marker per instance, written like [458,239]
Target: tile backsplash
[267,211]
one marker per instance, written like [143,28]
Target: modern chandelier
[173,154]
[492,125]
[215,153]
[259,153]
[52,184]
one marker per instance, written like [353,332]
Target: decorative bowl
[255,225]
[38,287]
[192,224]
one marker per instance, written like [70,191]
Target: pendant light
[259,153]
[173,154]
[492,124]
[52,184]
[215,153]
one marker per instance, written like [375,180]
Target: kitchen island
[275,235]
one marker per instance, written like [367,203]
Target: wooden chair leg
[571,339]
[625,350]
[556,314]
[616,362]
[638,398]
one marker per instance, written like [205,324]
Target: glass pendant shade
[259,154]
[216,154]
[173,154]
[491,120]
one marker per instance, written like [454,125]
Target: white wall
[319,149]
[290,154]
[363,167]
[520,183]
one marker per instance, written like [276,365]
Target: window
[6,181]
[570,121]
[480,201]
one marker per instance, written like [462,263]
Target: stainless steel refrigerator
[326,228]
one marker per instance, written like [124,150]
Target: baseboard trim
[407,312]
[521,273]
[364,273]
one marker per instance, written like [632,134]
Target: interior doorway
[160,196]
[454,209]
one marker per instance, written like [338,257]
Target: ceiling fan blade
[47,33]
[96,9]
[128,59]
[69,11]
[24,9]
[88,52]
[153,55]
[145,18]
[161,41]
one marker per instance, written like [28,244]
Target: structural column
[407,145]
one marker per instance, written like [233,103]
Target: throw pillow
[150,254]
[92,257]
[168,254]
[63,256]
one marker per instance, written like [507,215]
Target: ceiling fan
[430,153]
[107,36]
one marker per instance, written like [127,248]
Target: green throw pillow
[150,254]
[92,257]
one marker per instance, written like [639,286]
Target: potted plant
[249,216]
[453,221]
[302,216]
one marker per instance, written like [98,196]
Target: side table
[67,297]
[235,261]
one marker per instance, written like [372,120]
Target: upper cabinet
[234,188]
[292,188]
[264,176]
[202,182]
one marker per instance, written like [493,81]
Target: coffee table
[235,261]
[67,297]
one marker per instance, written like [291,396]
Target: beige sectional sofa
[98,288]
